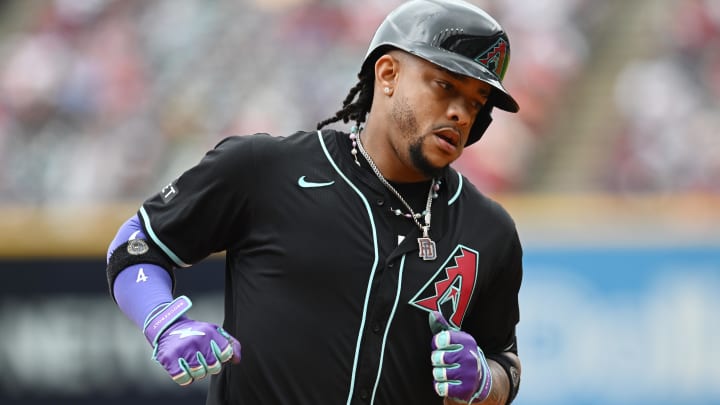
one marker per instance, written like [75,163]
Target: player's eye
[445,85]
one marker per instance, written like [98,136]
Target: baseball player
[360,267]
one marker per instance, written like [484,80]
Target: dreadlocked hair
[358,109]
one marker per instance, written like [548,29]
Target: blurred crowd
[670,107]
[107,100]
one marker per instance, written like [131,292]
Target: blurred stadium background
[611,170]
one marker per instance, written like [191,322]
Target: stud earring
[387,90]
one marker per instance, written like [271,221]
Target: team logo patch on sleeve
[452,286]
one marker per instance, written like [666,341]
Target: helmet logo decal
[495,58]
[452,286]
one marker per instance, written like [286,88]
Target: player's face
[433,111]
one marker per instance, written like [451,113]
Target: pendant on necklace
[426,246]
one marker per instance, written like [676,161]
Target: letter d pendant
[427,249]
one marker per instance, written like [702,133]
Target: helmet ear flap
[481,124]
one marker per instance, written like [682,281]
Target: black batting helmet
[455,35]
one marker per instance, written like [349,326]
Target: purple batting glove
[188,350]
[460,369]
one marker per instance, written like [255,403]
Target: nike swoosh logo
[186,332]
[310,184]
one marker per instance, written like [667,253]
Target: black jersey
[329,302]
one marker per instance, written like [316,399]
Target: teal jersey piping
[374,266]
[154,237]
[458,191]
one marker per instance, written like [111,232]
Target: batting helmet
[455,35]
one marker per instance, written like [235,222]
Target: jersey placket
[386,291]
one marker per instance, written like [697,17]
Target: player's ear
[387,69]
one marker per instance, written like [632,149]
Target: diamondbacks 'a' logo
[495,58]
[452,286]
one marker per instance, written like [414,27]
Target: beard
[421,163]
[404,117]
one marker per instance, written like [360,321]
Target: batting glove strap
[485,379]
[160,319]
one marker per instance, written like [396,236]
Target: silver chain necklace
[426,246]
